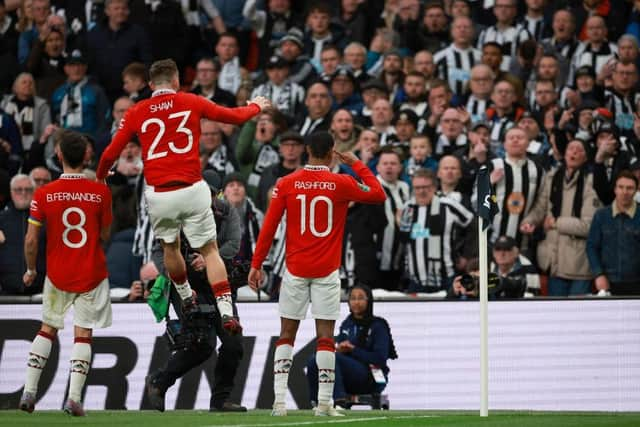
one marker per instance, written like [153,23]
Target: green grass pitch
[262,418]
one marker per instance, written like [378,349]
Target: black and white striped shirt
[562,50]
[143,238]
[397,194]
[509,39]
[499,127]
[430,232]
[444,146]
[516,193]
[477,108]
[537,27]
[288,98]
[585,54]
[454,66]
[622,107]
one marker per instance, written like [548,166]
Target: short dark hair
[136,69]
[627,174]
[319,7]
[320,144]
[73,147]
[163,71]
[425,173]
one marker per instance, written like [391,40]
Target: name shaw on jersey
[314,185]
[82,197]
[167,105]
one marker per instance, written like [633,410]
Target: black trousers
[230,353]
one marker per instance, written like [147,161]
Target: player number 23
[312,215]
[162,127]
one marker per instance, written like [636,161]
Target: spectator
[423,63]
[321,31]
[358,20]
[503,114]
[439,99]
[291,150]
[420,157]
[392,74]
[372,90]
[13,228]
[218,155]
[454,63]
[345,91]
[318,105]
[534,20]
[40,176]
[355,56]
[611,158]
[415,97]
[204,23]
[381,118]
[424,219]
[449,176]
[135,79]
[621,97]
[367,148]
[344,133]
[614,15]
[433,34]
[596,50]
[517,275]
[389,169]
[480,87]
[613,242]
[40,11]
[115,43]
[8,49]
[286,96]
[231,74]
[291,48]
[46,63]
[120,106]
[30,112]
[79,104]
[505,32]
[207,72]
[476,155]
[453,136]
[330,59]
[563,43]
[363,347]
[236,24]
[10,144]
[405,123]
[564,210]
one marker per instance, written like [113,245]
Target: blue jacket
[614,244]
[376,348]
[94,106]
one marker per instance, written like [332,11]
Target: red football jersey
[168,128]
[74,211]
[316,201]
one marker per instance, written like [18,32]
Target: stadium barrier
[572,355]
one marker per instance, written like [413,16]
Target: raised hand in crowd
[496,175]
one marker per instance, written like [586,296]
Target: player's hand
[348,158]
[261,102]
[526,228]
[197,262]
[255,279]
[28,278]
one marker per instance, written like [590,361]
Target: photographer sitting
[193,337]
[511,275]
[362,349]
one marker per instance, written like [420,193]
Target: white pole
[484,321]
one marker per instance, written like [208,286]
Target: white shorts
[323,293]
[92,310]
[188,209]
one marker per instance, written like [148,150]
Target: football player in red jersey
[316,202]
[168,127]
[77,215]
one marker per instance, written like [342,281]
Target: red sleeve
[36,212]
[107,215]
[123,135]
[269,226]
[236,116]
[370,191]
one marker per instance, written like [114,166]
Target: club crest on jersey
[364,188]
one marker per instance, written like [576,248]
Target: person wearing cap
[371,91]
[230,352]
[345,91]
[292,49]
[517,274]
[506,32]
[583,88]
[80,104]
[613,243]
[622,96]
[612,156]
[564,209]
[285,95]
[405,123]
[207,72]
[291,149]
[454,62]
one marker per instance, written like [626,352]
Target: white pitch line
[304,423]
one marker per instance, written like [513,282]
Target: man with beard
[415,99]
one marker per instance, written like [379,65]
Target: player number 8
[77,227]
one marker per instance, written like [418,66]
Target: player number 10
[312,215]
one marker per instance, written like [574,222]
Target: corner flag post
[486,209]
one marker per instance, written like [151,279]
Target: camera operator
[511,275]
[192,338]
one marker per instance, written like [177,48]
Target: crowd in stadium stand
[425,92]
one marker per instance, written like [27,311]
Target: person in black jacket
[198,329]
[363,347]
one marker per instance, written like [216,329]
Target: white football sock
[38,356]
[326,361]
[282,360]
[80,363]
